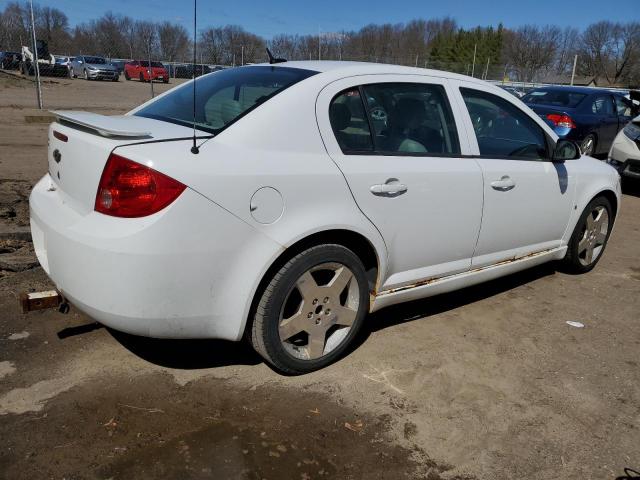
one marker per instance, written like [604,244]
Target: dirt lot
[486,383]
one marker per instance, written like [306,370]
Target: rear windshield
[224,96]
[95,60]
[559,98]
[145,63]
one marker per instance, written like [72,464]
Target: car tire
[142,78]
[166,80]
[297,305]
[86,75]
[589,144]
[115,79]
[71,75]
[126,76]
[590,237]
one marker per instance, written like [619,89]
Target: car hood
[101,66]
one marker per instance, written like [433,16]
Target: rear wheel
[126,76]
[142,77]
[311,310]
[590,236]
[588,145]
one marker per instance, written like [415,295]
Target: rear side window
[349,122]
[224,96]
[602,105]
[411,118]
[502,129]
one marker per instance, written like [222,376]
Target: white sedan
[317,192]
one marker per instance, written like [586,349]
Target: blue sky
[269,17]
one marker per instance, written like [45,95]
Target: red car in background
[140,69]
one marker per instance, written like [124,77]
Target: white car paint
[624,154]
[192,270]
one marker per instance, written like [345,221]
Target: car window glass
[557,98]
[223,97]
[623,106]
[502,129]
[411,118]
[349,122]
[602,106]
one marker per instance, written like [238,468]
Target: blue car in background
[592,117]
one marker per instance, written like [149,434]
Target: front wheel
[311,310]
[86,75]
[590,236]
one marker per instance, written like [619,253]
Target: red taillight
[128,189]
[560,120]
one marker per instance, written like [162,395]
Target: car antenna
[194,149]
[273,59]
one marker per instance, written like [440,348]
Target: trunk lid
[80,144]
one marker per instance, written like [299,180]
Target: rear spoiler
[107,126]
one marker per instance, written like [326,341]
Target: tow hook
[31,301]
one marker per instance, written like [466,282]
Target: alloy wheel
[319,311]
[587,145]
[596,228]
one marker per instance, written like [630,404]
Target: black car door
[606,120]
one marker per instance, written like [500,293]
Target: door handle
[504,184]
[388,189]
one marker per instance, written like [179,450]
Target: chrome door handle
[388,189]
[504,184]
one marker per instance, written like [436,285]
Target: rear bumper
[185,272]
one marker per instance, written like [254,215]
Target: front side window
[223,97]
[623,106]
[349,122]
[502,129]
[411,118]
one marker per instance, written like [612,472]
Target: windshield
[560,98]
[224,96]
[145,63]
[95,60]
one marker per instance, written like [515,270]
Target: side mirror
[566,150]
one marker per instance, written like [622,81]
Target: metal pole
[473,67]
[150,70]
[36,67]
[573,73]
[486,70]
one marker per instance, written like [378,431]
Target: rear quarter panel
[276,145]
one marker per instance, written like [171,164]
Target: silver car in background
[93,68]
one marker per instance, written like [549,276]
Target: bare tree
[530,50]
[173,41]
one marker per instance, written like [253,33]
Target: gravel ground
[486,383]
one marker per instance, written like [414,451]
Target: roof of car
[360,68]
[569,88]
